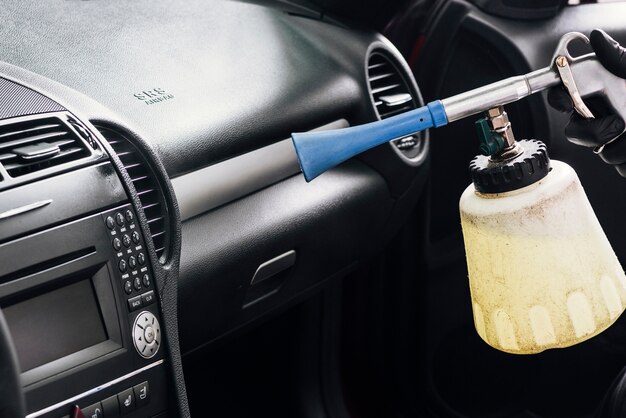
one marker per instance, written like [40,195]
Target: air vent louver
[35,144]
[147,187]
[390,92]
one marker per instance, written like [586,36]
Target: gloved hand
[606,126]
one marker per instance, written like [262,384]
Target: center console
[77,278]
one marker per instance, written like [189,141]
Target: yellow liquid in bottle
[542,273]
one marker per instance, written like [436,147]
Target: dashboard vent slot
[36,144]
[393,92]
[390,91]
[147,187]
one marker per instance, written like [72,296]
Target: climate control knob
[147,334]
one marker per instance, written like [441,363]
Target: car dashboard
[161,253]
[150,197]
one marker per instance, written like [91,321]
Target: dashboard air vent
[392,94]
[147,186]
[390,91]
[35,144]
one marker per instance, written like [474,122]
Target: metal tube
[498,93]
[543,79]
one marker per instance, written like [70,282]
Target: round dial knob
[146,334]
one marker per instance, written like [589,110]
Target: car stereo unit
[82,308]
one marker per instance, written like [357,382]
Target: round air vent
[392,92]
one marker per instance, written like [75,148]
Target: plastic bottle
[542,273]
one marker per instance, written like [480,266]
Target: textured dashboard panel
[202,81]
[17,100]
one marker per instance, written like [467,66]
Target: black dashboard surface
[201,81]
[196,83]
[192,84]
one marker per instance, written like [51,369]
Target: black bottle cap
[530,166]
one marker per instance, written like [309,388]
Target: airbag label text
[153,96]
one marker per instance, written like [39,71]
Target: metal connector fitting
[500,125]
[499,121]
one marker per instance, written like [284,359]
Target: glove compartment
[330,224]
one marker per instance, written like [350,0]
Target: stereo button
[123,266]
[134,303]
[117,244]
[119,218]
[127,401]
[141,258]
[147,298]
[128,287]
[110,222]
[93,411]
[126,240]
[110,407]
[147,334]
[137,283]
[135,236]
[146,280]
[142,394]
[129,215]
[132,262]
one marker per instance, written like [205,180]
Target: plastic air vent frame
[148,188]
[392,91]
[37,146]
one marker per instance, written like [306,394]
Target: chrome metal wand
[581,76]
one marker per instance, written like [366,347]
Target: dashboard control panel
[77,271]
[130,255]
[123,403]
[135,278]
[91,282]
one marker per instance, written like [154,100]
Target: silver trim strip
[205,189]
[94,390]
[23,209]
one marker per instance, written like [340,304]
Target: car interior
[161,254]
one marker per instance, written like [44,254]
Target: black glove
[607,125]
